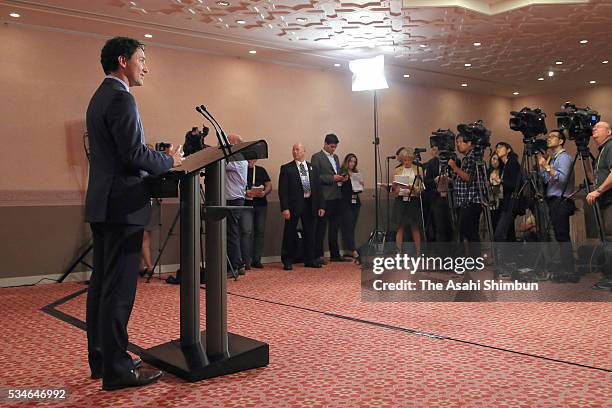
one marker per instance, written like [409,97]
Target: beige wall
[47,78]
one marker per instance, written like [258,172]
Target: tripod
[377,237]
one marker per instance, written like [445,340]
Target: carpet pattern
[318,360]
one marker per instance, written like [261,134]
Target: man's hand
[592,196]
[338,177]
[177,155]
[542,161]
[250,194]
[452,164]
[321,212]
[286,215]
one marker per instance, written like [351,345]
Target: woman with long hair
[406,188]
[351,204]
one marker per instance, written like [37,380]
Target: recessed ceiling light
[148,35]
[584,41]
[336,65]
[464,85]
[467,65]
[15,15]
[240,22]
[559,62]
[406,75]
[477,44]
[540,79]
[223,3]
[551,73]
[515,93]
[422,45]
[592,82]
[301,20]
[252,52]
[605,61]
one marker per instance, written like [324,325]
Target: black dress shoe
[312,265]
[287,267]
[339,259]
[96,375]
[321,260]
[257,265]
[133,378]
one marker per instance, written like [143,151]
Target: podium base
[192,364]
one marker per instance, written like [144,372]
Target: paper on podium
[205,157]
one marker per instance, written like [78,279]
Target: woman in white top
[407,186]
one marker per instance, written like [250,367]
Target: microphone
[391,157]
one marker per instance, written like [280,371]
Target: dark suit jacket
[117,190]
[326,174]
[291,192]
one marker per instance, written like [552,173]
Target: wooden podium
[214,352]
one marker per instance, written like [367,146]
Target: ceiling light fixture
[605,61]
[406,75]
[551,73]
[540,79]
[467,65]
[301,20]
[515,93]
[592,82]
[477,44]
[584,41]
[252,52]
[336,65]
[223,3]
[422,45]
[464,85]
[148,35]
[240,22]
[559,62]
[15,15]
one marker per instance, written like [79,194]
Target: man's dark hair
[331,139]
[560,135]
[465,139]
[116,47]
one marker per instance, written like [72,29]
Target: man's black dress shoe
[321,260]
[312,265]
[133,378]
[288,267]
[257,265]
[98,374]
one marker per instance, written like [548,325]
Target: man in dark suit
[300,199]
[328,166]
[117,207]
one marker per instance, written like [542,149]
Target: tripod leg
[163,247]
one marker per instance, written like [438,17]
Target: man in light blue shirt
[238,230]
[557,172]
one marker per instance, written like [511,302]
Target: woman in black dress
[350,204]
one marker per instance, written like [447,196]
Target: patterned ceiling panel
[521,43]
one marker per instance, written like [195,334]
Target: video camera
[531,123]
[578,123]
[476,133]
[194,140]
[444,140]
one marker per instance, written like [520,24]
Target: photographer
[509,177]
[602,194]
[467,194]
[436,186]
[556,171]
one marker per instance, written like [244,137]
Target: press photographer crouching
[556,171]
[602,195]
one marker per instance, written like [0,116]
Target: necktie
[305,180]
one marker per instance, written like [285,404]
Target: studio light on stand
[369,75]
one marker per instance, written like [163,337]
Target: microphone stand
[388,190]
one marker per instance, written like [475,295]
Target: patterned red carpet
[494,354]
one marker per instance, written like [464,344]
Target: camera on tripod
[194,140]
[531,123]
[578,123]
[444,141]
[476,133]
